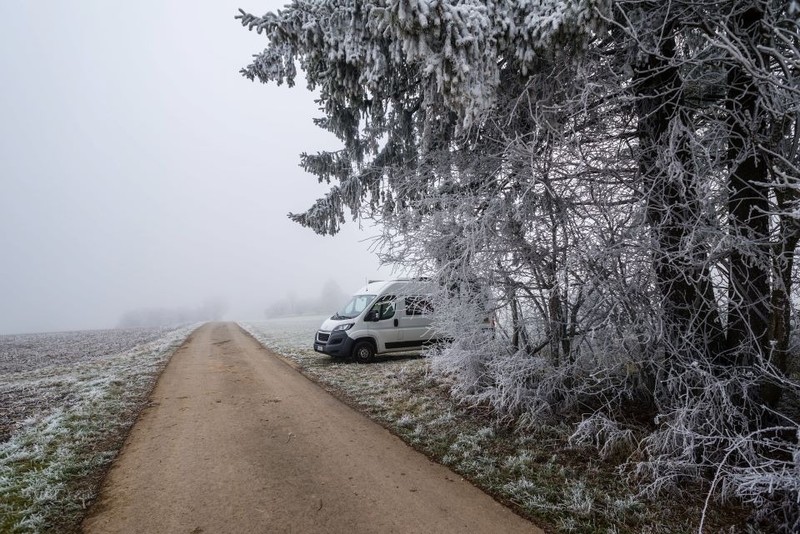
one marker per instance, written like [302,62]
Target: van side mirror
[372,316]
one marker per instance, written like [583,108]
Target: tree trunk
[748,207]
[780,304]
[692,324]
[780,313]
[555,329]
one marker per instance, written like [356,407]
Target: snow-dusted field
[290,336]
[65,402]
[26,352]
[28,360]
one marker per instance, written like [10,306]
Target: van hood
[329,323]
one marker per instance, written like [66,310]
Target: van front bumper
[337,344]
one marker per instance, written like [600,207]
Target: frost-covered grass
[561,486]
[68,400]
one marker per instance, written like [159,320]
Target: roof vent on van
[417,279]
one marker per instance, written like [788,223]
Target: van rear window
[418,306]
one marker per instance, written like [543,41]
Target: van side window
[387,310]
[385,307]
[418,306]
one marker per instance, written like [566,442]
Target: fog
[140,171]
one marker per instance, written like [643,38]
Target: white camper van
[381,318]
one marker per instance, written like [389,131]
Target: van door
[385,327]
[415,318]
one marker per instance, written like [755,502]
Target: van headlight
[345,326]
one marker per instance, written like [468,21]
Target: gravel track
[236,440]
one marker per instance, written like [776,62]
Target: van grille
[322,337]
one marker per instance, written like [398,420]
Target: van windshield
[354,307]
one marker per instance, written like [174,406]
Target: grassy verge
[52,465]
[560,487]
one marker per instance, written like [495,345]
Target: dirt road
[236,440]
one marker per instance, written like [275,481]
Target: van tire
[363,351]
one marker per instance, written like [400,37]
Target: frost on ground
[66,401]
[290,336]
[534,468]
[22,355]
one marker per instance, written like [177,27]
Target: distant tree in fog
[212,309]
[332,296]
[329,300]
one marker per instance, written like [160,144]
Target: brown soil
[235,440]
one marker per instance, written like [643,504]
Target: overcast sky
[140,169]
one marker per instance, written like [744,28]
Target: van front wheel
[363,351]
